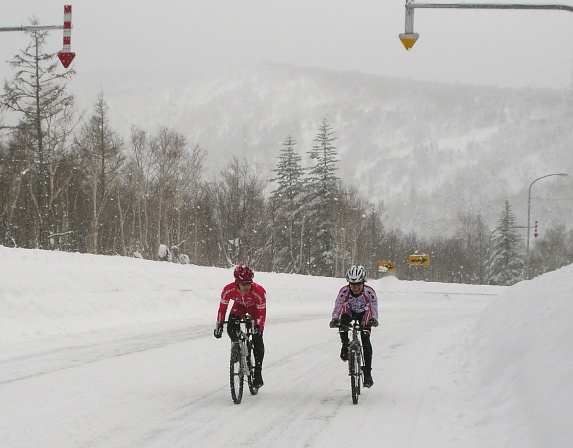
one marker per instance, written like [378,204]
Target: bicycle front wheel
[252,389]
[236,374]
[354,372]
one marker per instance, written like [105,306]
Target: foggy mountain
[427,150]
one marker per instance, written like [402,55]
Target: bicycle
[355,362]
[241,364]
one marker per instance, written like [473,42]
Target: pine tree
[286,243]
[321,203]
[507,262]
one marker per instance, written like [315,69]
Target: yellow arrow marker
[419,260]
[409,39]
[386,266]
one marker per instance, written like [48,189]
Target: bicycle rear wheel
[236,374]
[354,372]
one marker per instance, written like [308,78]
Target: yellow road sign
[419,260]
[409,39]
[386,266]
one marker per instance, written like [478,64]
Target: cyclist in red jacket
[356,301]
[249,298]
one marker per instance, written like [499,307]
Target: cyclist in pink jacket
[356,301]
[249,298]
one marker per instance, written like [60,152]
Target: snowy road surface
[168,386]
[102,352]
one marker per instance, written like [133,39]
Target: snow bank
[44,293]
[523,358]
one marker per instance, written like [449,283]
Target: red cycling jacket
[253,303]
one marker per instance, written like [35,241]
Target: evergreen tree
[321,203]
[507,262]
[286,243]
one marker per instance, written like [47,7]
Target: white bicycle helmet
[356,274]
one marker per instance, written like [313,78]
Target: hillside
[427,150]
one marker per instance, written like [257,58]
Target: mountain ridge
[427,150]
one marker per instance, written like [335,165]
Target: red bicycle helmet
[243,273]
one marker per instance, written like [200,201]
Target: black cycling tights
[345,321]
[258,343]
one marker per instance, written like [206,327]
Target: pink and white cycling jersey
[366,301]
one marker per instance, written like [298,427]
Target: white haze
[195,66]
[103,351]
[150,41]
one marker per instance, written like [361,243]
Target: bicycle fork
[244,353]
[244,368]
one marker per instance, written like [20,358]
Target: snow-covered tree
[287,241]
[321,203]
[507,263]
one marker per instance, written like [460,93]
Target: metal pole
[32,27]
[411,5]
[409,38]
[409,28]
[529,205]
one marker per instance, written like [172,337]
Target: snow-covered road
[116,352]
[168,386]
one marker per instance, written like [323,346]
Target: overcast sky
[162,40]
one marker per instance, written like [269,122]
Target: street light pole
[409,38]
[529,205]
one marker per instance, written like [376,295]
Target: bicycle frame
[355,360]
[241,364]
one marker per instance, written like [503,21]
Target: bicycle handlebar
[353,324]
[242,321]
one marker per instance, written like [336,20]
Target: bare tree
[37,95]
[475,238]
[168,154]
[241,217]
[101,157]
[139,168]
[552,251]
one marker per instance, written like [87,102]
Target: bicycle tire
[360,372]
[236,375]
[253,390]
[354,375]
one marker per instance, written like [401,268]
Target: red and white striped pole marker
[66,55]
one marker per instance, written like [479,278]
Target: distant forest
[71,183]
